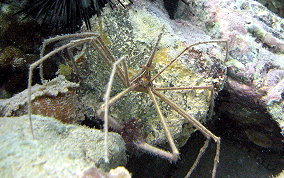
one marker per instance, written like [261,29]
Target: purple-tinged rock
[254,93]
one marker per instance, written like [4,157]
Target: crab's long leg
[106,50]
[185,88]
[210,87]
[174,149]
[148,66]
[58,38]
[40,61]
[124,66]
[115,98]
[112,58]
[207,133]
[200,154]
[97,46]
[155,150]
[107,96]
[70,56]
[108,57]
[187,48]
[150,60]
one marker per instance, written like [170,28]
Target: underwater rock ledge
[253,97]
[59,150]
[133,32]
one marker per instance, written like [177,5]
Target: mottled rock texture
[19,39]
[253,95]
[133,32]
[56,98]
[136,29]
[276,6]
[58,150]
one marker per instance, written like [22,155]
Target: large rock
[58,150]
[133,32]
[276,6]
[254,94]
[56,98]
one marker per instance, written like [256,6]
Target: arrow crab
[141,82]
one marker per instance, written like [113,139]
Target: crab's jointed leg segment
[106,108]
[174,149]
[40,61]
[196,124]
[187,48]
[59,38]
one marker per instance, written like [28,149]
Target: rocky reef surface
[58,150]
[253,96]
[56,98]
[275,6]
[19,42]
[134,36]
[137,32]
[248,110]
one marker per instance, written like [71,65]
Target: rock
[253,95]
[275,6]
[15,29]
[58,150]
[56,98]
[19,41]
[280,175]
[119,172]
[133,32]
[11,56]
